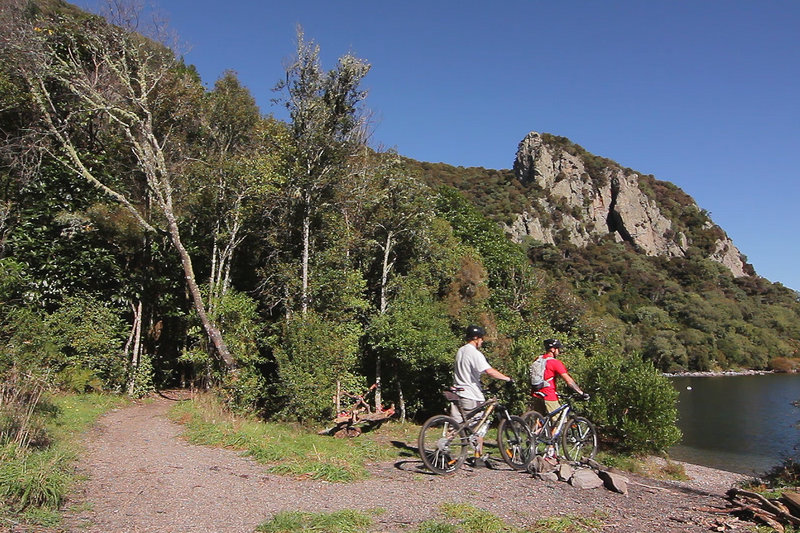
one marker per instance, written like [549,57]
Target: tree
[400,213]
[326,126]
[238,178]
[87,78]
[414,338]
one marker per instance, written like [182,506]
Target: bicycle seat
[452,393]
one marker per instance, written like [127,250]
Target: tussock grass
[34,480]
[287,449]
[457,518]
[650,466]
[466,518]
[345,521]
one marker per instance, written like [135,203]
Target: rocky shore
[717,373]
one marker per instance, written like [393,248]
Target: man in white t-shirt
[470,364]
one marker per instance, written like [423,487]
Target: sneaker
[479,462]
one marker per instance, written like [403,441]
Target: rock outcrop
[584,202]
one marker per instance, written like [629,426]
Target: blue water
[741,424]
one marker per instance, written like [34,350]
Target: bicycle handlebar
[573,396]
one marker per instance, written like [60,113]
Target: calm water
[738,423]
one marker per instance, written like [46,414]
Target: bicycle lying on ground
[443,441]
[562,432]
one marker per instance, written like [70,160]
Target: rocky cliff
[584,197]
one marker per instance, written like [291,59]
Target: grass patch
[651,467]
[568,524]
[345,521]
[466,518]
[778,480]
[34,481]
[287,449]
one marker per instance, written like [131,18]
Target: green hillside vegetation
[158,233]
[682,314]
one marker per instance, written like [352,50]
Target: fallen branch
[765,504]
[773,514]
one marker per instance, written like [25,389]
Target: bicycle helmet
[552,343]
[474,332]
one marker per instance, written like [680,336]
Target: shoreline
[717,373]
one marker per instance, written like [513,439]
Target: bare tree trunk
[402,402]
[378,396]
[338,399]
[137,346]
[385,268]
[306,252]
[211,329]
[384,303]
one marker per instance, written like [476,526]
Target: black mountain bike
[443,441]
[562,432]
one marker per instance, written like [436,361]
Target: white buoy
[689,387]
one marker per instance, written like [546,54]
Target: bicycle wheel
[442,444]
[579,439]
[515,441]
[541,431]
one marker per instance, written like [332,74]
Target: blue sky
[702,93]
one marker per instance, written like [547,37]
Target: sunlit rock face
[583,204]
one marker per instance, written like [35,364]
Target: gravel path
[142,477]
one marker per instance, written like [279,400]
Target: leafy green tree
[414,339]
[315,359]
[136,95]
[326,128]
[666,351]
[396,213]
[238,178]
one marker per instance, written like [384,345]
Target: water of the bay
[744,424]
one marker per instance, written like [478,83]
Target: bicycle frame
[572,434]
[488,408]
[485,409]
[444,440]
[563,413]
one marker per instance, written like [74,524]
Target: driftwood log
[775,513]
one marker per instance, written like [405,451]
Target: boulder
[565,472]
[547,476]
[539,465]
[585,479]
[614,481]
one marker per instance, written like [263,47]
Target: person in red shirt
[546,399]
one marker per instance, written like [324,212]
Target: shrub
[784,364]
[632,402]
[313,355]
[237,315]
[92,336]
[141,383]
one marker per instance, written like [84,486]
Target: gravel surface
[142,477]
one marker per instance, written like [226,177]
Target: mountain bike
[562,432]
[443,441]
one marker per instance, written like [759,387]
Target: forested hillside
[155,233]
[685,312]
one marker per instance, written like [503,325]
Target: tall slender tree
[327,127]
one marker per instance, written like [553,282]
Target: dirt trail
[142,477]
